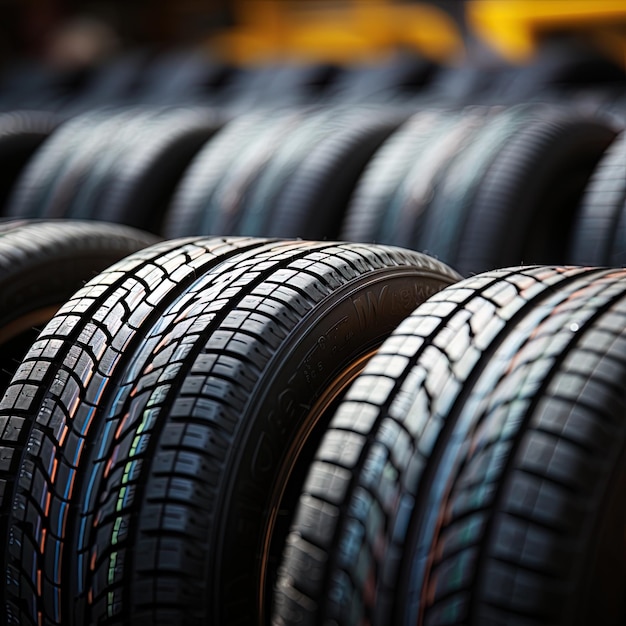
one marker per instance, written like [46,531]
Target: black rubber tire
[427,180]
[217,178]
[106,144]
[313,200]
[524,204]
[543,476]
[115,166]
[288,174]
[453,191]
[279,162]
[56,170]
[618,252]
[370,215]
[439,166]
[166,409]
[138,187]
[476,464]
[41,265]
[595,239]
[402,75]
[242,193]
[21,134]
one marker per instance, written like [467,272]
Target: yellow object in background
[328,32]
[515,27]
[429,30]
[342,32]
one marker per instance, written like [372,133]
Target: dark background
[28,28]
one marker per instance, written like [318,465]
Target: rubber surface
[119,166]
[373,209]
[41,265]
[313,199]
[213,197]
[473,469]
[21,134]
[523,208]
[176,392]
[596,236]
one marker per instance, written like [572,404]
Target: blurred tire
[372,209]
[118,166]
[21,134]
[598,235]
[217,179]
[313,200]
[523,207]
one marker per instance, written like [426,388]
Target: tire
[140,182]
[21,134]
[426,180]
[279,179]
[476,465]
[313,200]
[405,74]
[278,161]
[451,195]
[56,170]
[232,351]
[222,170]
[618,252]
[595,239]
[370,215]
[523,206]
[41,265]
[404,209]
[553,512]
[115,166]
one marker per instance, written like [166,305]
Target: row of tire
[149,78]
[252,431]
[219,430]
[477,187]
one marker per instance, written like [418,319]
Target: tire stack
[478,187]
[332,345]
[187,379]
[474,472]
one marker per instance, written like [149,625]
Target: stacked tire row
[479,187]
[244,430]
[142,78]
[474,473]
[235,426]
[169,401]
